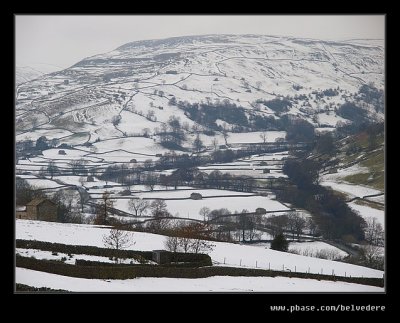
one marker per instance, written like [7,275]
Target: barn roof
[38,201]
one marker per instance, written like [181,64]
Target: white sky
[65,40]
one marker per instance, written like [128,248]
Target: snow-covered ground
[312,248]
[350,189]
[369,212]
[186,193]
[48,255]
[191,208]
[42,183]
[209,284]
[232,254]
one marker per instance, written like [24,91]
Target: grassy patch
[370,204]
[375,177]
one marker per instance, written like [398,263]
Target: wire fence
[275,266]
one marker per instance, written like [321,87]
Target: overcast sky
[65,40]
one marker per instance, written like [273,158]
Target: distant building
[38,209]
[62,152]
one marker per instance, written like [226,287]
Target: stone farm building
[39,209]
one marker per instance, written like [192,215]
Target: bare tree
[299,225]
[103,209]
[200,233]
[291,223]
[374,233]
[204,211]
[372,256]
[151,181]
[118,239]
[52,168]
[225,133]
[198,144]
[215,144]
[172,243]
[138,206]
[159,208]
[263,136]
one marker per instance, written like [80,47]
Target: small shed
[266,171]
[90,179]
[161,256]
[158,155]
[62,152]
[134,161]
[196,196]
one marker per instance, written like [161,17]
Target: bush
[280,243]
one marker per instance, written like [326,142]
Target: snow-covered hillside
[26,73]
[139,86]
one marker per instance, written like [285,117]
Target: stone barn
[196,196]
[39,209]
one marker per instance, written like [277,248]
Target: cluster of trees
[207,114]
[335,219]
[171,133]
[277,105]
[192,237]
[292,222]
[300,130]
[353,112]
[370,94]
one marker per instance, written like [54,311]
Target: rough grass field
[376,175]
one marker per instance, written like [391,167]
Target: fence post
[256,263]
[224,260]
[283,267]
[333,272]
[294,268]
[240,262]
[308,269]
[322,271]
[269,266]
[344,274]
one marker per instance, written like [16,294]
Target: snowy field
[232,254]
[209,284]
[369,212]
[186,193]
[191,208]
[48,255]
[350,189]
[316,246]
